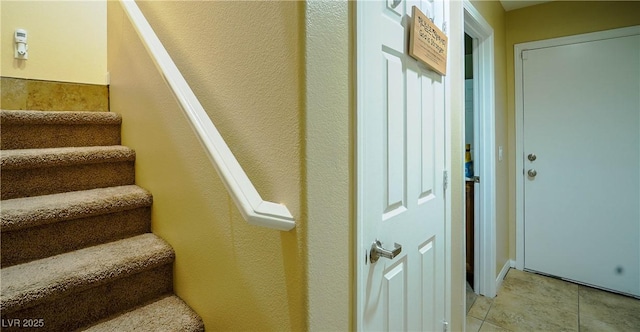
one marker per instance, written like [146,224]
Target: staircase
[76,247]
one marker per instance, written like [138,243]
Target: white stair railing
[254,210]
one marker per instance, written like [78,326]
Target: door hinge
[445,180]
[445,326]
[444,27]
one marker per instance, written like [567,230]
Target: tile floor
[25,94]
[531,302]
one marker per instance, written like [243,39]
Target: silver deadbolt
[532,173]
[378,251]
[532,157]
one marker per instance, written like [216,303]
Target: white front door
[582,187]
[400,165]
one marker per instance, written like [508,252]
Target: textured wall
[552,20]
[242,60]
[330,163]
[67,40]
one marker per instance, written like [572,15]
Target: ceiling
[517,4]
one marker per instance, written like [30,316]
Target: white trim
[448,238]
[254,210]
[519,156]
[503,273]
[484,96]
[361,257]
[519,105]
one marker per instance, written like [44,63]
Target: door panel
[582,121]
[428,139]
[400,168]
[429,298]
[395,136]
[396,291]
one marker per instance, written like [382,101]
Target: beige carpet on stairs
[41,226]
[76,248]
[37,129]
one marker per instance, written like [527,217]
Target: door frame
[485,281]
[519,109]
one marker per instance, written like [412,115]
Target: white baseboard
[503,273]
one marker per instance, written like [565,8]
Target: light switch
[500,153]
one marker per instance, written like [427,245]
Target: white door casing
[581,118]
[486,283]
[400,166]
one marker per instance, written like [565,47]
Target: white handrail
[254,210]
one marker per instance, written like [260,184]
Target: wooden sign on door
[428,43]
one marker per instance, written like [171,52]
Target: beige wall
[494,14]
[552,20]
[67,40]
[330,162]
[244,64]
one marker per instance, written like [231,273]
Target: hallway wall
[243,61]
[330,161]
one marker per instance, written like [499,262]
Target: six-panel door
[400,172]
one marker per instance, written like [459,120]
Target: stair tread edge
[28,284]
[31,117]
[151,316]
[26,212]
[65,156]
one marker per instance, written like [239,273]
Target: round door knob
[532,173]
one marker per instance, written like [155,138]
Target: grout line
[579,307]
[487,314]
[484,320]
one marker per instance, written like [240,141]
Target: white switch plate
[500,153]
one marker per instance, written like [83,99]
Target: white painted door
[400,158]
[582,122]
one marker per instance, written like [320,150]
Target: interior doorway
[468,163]
[481,136]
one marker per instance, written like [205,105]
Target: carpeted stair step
[38,129]
[166,314]
[42,226]
[34,172]
[75,289]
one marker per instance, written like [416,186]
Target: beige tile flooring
[531,302]
[24,94]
